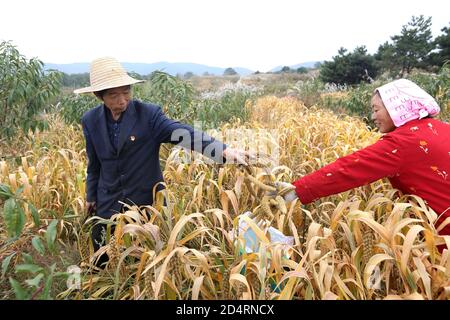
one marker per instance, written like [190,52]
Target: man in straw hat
[123,137]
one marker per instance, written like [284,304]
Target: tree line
[76,80]
[413,48]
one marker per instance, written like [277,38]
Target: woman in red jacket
[414,153]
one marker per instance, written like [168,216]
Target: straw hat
[107,73]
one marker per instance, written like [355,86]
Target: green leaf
[6,262]
[14,218]
[33,268]
[48,283]
[27,258]
[21,293]
[5,192]
[35,281]
[50,235]
[171,294]
[34,214]
[127,240]
[38,245]
[309,293]
[410,280]
[8,213]
[19,191]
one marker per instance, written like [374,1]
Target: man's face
[381,116]
[116,99]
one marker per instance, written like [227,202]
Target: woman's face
[380,115]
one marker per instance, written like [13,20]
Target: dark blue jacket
[130,173]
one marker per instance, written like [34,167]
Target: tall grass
[187,245]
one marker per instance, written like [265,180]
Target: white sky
[228,33]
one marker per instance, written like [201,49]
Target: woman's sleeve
[374,162]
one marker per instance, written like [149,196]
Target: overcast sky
[228,33]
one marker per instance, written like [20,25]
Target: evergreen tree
[442,54]
[229,72]
[349,68]
[410,49]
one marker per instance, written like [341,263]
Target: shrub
[72,107]
[214,112]
[25,91]
[438,86]
[174,95]
[349,68]
[309,91]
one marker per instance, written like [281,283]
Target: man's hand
[284,189]
[90,207]
[90,210]
[238,156]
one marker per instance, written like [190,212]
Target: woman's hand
[284,189]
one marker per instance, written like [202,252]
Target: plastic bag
[252,241]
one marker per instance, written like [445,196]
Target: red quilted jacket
[415,157]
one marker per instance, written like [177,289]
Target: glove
[284,189]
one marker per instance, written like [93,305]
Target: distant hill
[309,64]
[147,68]
[170,68]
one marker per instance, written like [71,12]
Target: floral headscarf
[406,101]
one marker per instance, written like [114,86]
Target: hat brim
[92,89]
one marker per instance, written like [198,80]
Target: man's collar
[109,116]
